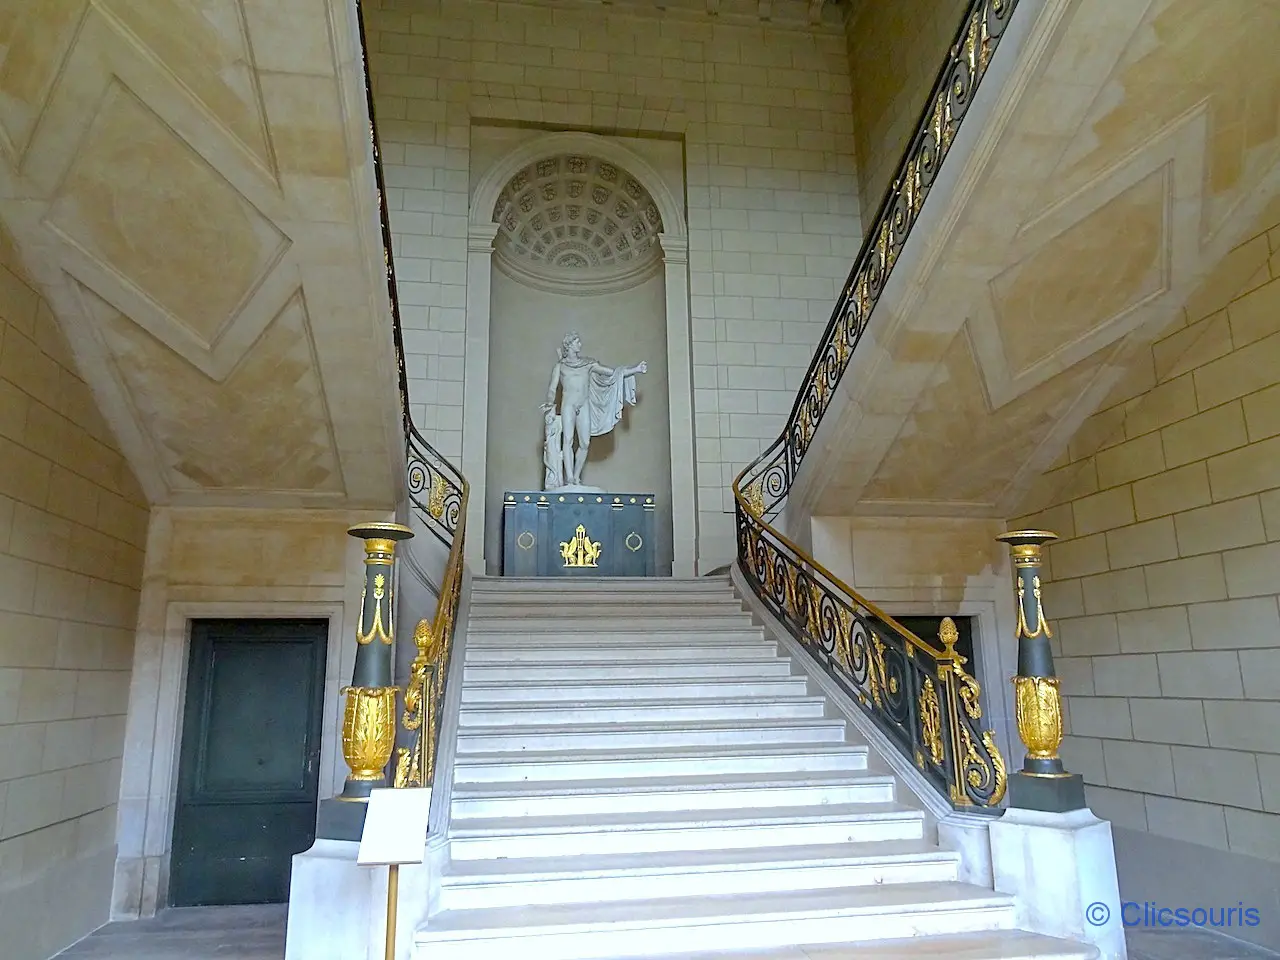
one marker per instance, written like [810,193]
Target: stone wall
[764,116]
[73,526]
[895,52]
[1164,586]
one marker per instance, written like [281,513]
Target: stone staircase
[641,773]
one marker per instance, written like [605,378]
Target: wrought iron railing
[438,493]
[917,692]
[437,490]
[424,693]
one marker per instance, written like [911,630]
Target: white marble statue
[592,397]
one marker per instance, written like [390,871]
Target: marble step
[983,945]
[546,712]
[623,691]
[573,670]
[514,646]
[801,733]
[644,621]
[620,588]
[655,761]
[554,836]
[515,652]
[594,878]
[574,607]
[667,795]
[659,927]
[586,605]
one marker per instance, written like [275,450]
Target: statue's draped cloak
[607,395]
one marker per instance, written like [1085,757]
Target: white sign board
[395,826]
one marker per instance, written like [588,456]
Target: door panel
[249,767]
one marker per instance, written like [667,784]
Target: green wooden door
[249,766]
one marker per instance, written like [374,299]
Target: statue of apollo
[592,397]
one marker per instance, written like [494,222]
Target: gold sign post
[1042,783]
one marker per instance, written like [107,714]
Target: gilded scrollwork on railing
[957,81]
[930,722]
[435,487]
[424,693]
[917,693]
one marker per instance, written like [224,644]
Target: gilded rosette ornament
[369,720]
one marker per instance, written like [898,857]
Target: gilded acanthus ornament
[1039,712]
[369,730]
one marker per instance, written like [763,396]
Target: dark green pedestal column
[369,720]
[1042,783]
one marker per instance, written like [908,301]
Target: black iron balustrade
[957,81]
[919,694]
[436,489]
[438,493]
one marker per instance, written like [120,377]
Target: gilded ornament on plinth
[581,551]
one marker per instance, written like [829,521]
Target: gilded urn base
[368,738]
[1042,783]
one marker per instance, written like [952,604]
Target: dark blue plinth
[541,537]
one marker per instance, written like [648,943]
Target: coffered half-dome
[577,223]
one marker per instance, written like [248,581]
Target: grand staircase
[641,772]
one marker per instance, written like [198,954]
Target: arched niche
[495,250]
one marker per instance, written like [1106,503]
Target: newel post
[1042,783]
[369,720]
[1048,849]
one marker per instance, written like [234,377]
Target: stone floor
[193,933]
[257,933]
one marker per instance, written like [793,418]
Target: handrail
[438,493]
[424,693]
[435,485]
[902,681]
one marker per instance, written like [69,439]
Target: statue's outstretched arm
[551,390]
[600,368]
